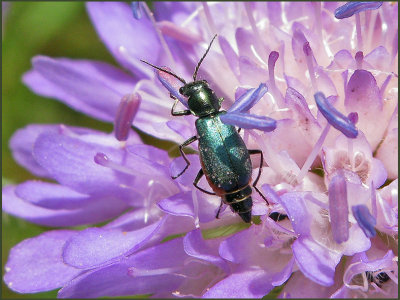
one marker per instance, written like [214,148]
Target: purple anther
[126,112]
[307,49]
[101,159]
[353,117]
[171,84]
[338,208]
[364,219]
[248,99]
[272,58]
[334,117]
[248,121]
[359,59]
[351,8]
[136,9]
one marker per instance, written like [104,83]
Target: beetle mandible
[224,157]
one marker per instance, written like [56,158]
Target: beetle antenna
[166,71]
[201,60]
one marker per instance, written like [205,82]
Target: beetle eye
[205,81]
[181,90]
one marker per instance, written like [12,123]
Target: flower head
[295,79]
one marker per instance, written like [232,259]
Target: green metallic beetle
[224,157]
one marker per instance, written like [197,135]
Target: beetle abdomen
[223,154]
[240,202]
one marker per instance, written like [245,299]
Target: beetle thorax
[202,100]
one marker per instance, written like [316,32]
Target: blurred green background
[57,29]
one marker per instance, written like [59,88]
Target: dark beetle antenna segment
[166,71]
[201,60]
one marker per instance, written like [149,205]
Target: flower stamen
[334,117]
[258,42]
[359,57]
[164,44]
[309,59]
[126,112]
[338,208]
[209,18]
[364,219]
[314,153]
[272,58]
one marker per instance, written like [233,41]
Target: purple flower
[295,79]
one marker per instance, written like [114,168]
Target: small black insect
[224,157]
[379,278]
[276,216]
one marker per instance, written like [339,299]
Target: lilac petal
[114,280]
[178,204]
[250,72]
[252,283]
[365,264]
[21,144]
[282,276]
[70,161]
[244,40]
[315,261]
[299,107]
[230,54]
[118,279]
[341,60]
[295,207]
[178,164]
[126,112]
[150,154]
[296,84]
[248,99]
[274,10]
[207,250]
[249,121]
[270,194]
[364,219]
[50,195]
[134,219]
[238,247]
[338,208]
[120,33]
[378,172]
[298,42]
[181,204]
[91,87]
[181,128]
[179,33]
[95,212]
[379,59]
[356,243]
[388,153]
[94,247]
[300,286]
[334,117]
[35,265]
[174,11]
[351,8]
[136,10]
[362,92]
[172,84]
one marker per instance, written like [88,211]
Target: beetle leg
[259,172]
[196,181]
[189,141]
[178,113]
[219,209]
